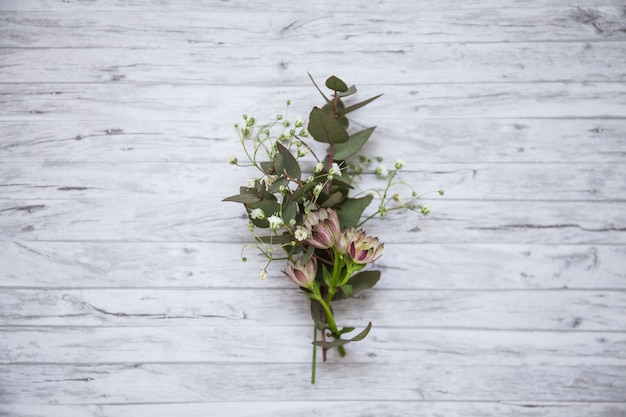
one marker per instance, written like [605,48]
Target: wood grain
[235,344]
[213,103]
[195,265]
[541,310]
[403,63]
[122,291]
[154,383]
[427,141]
[356,408]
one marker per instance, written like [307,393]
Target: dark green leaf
[346,330]
[317,312]
[267,168]
[351,210]
[291,165]
[360,282]
[324,128]
[307,255]
[279,163]
[280,181]
[354,144]
[347,290]
[276,240]
[343,112]
[289,211]
[242,198]
[341,342]
[336,84]
[318,89]
[333,199]
[351,90]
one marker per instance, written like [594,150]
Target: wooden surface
[121,286]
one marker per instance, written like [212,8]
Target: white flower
[399,164]
[303,151]
[262,274]
[318,189]
[335,170]
[319,167]
[232,159]
[274,221]
[301,234]
[251,182]
[270,179]
[257,213]
[381,171]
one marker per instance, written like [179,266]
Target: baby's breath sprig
[301,209]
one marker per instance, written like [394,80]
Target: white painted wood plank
[182,28]
[151,383]
[217,104]
[391,63]
[207,344]
[585,182]
[166,219]
[424,141]
[598,310]
[332,408]
[195,265]
[384,6]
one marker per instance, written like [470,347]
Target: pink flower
[361,248]
[302,276]
[324,228]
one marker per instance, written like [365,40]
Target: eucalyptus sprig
[313,217]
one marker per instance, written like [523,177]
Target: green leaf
[341,342]
[353,145]
[280,181]
[267,167]
[351,90]
[347,290]
[343,112]
[351,209]
[242,198]
[279,164]
[333,199]
[362,281]
[307,255]
[336,84]
[289,211]
[318,89]
[291,165]
[324,128]
[276,239]
[346,330]
[317,312]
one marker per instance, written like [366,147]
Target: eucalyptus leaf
[269,208]
[307,255]
[344,111]
[324,128]
[279,163]
[267,167]
[289,211]
[242,198]
[354,144]
[351,90]
[351,210]
[336,84]
[341,342]
[280,182]
[276,239]
[362,281]
[333,199]
[317,312]
[290,164]
[347,290]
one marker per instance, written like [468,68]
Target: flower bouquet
[306,209]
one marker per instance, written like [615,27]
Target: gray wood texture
[122,290]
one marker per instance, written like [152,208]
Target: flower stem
[314,361]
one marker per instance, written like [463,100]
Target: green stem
[314,361]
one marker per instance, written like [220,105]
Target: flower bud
[302,275]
